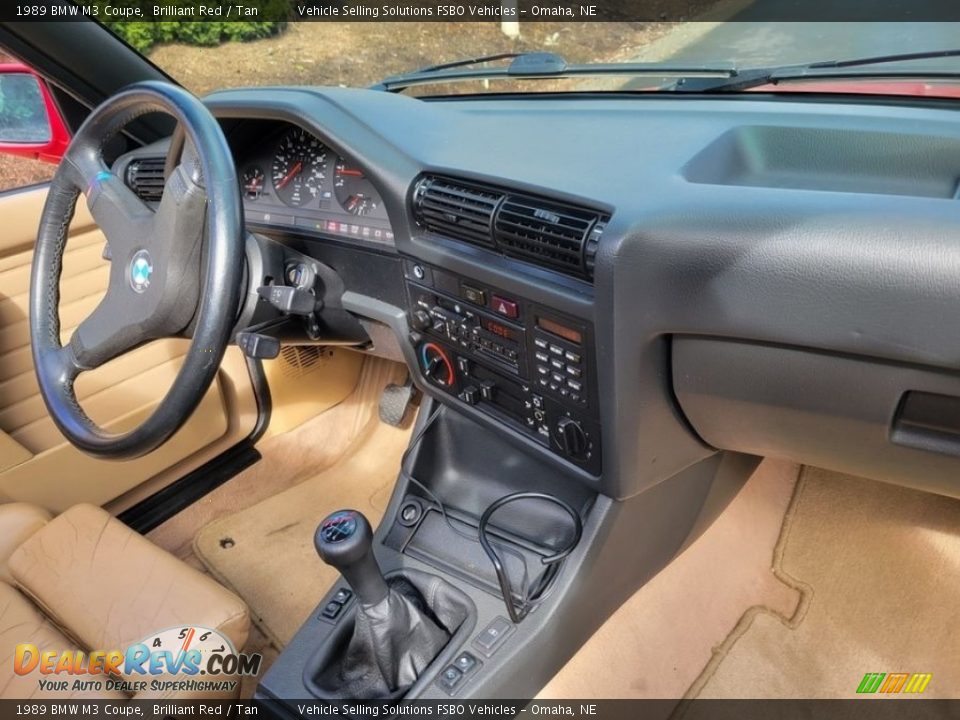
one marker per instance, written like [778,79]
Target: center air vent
[543,232]
[551,235]
[457,210]
[145,177]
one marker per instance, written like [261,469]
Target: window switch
[332,610]
[493,635]
[342,597]
[465,662]
[450,678]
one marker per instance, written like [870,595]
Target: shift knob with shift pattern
[344,540]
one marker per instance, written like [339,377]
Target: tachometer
[299,167]
[354,192]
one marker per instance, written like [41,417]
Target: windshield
[361,54]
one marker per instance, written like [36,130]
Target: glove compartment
[891,422]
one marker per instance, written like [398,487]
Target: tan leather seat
[85,581]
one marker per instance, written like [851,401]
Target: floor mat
[662,637]
[287,459]
[879,567]
[265,552]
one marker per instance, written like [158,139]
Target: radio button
[541,343]
[574,385]
[542,357]
[574,371]
[572,356]
[557,364]
[556,350]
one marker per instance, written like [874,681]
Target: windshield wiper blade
[756,77]
[881,59]
[465,62]
[537,65]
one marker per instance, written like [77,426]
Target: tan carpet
[265,552]
[288,458]
[658,642]
[880,570]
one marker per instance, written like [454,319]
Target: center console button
[474,295]
[450,677]
[487,388]
[465,662]
[502,306]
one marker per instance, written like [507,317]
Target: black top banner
[523,11]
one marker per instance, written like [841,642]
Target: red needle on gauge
[290,175]
[351,172]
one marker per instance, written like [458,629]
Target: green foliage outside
[144,35]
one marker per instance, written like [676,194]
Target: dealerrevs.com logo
[184,659]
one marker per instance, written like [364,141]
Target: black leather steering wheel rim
[152,279]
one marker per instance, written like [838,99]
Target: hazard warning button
[504,307]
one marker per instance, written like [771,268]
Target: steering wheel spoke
[108,332]
[124,218]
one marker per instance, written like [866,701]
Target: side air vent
[145,177]
[457,210]
[553,235]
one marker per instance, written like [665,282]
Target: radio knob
[571,437]
[420,320]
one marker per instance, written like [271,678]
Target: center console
[525,365]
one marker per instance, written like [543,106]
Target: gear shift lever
[344,540]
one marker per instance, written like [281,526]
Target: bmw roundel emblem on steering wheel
[140,271]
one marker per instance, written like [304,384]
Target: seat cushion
[21,622]
[110,587]
[18,521]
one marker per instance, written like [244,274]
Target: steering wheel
[160,260]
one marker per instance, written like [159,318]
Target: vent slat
[145,177]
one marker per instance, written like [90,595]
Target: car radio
[526,365]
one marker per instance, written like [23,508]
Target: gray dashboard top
[823,225]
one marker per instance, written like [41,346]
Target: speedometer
[354,191]
[299,167]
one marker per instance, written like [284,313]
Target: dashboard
[771,276]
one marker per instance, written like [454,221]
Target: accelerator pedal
[395,400]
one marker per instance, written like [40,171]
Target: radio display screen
[500,329]
[555,328]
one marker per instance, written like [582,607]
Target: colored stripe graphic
[918,682]
[870,682]
[894,683]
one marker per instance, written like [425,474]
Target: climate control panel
[525,365]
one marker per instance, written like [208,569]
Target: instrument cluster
[299,181]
